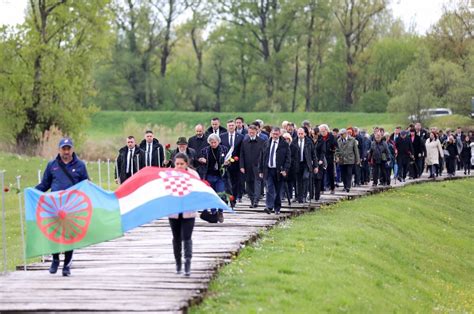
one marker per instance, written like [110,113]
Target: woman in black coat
[466,155]
[452,156]
[290,180]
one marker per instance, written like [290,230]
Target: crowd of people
[297,164]
[290,163]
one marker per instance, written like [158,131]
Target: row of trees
[71,57]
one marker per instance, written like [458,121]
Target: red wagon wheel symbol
[65,217]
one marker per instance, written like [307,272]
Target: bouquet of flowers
[168,152]
[229,199]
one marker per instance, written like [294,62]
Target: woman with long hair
[182,224]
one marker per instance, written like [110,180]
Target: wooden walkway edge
[136,272]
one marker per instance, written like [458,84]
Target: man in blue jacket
[61,173]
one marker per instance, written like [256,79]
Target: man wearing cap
[61,173]
[184,149]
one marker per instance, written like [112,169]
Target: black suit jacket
[309,156]
[404,149]
[250,153]
[283,157]
[121,164]
[234,167]
[157,154]
[209,131]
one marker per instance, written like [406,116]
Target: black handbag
[209,216]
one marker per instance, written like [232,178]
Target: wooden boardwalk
[136,272]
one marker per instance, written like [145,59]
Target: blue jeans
[217,183]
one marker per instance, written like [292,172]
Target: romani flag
[60,221]
[86,214]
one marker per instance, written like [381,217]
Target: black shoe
[251,206]
[178,267]
[187,267]
[267,210]
[220,216]
[277,212]
[66,271]
[53,269]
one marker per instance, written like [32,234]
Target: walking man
[61,173]
[274,165]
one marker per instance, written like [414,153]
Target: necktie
[301,150]
[231,142]
[272,154]
[129,160]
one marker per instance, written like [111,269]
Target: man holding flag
[61,173]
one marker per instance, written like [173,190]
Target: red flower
[236,158]
[231,198]
[6,190]
[168,146]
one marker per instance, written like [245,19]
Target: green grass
[408,250]
[27,168]
[105,121]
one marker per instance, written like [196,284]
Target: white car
[431,113]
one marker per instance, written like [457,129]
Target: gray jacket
[347,152]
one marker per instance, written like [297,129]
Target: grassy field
[27,168]
[408,250]
[105,121]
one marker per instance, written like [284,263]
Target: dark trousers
[379,173]
[302,182]
[273,183]
[403,168]
[451,165]
[67,258]
[358,174]
[182,229]
[329,174]
[365,172]
[317,185]
[346,175]
[234,179]
[253,183]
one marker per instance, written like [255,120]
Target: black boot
[188,254]
[177,249]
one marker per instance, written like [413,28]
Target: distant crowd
[298,163]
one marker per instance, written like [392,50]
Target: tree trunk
[295,83]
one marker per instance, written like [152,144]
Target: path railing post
[20,206]
[4,237]
[100,174]
[108,174]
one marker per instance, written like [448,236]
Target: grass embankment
[408,250]
[27,168]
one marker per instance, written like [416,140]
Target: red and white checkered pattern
[177,183]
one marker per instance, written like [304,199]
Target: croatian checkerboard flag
[158,192]
[86,214]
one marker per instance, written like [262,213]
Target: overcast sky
[419,13]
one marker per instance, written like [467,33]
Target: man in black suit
[233,140]
[129,161]
[404,149]
[306,164]
[250,151]
[215,127]
[240,126]
[153,150]
[274,164]
[198,142]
